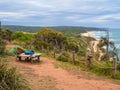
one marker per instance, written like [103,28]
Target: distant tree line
[63,29]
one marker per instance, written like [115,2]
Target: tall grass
[10,79]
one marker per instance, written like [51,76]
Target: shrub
[2,46]
[104,57]
[10,79]
[81,53]
[42,45]
[65,57]
[102,68]
[96,55]
[20,36]
[118,75]
[102,71]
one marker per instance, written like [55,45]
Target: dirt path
[45,76]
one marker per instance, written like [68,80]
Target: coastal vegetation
[63,29]
[10,79]
[66,47]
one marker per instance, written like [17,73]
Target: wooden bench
[29,57]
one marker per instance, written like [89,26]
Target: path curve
[64,80]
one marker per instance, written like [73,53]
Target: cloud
[60,12]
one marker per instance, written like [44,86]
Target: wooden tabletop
[25,55]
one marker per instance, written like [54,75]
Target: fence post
[114,67]
[54,54]
[89,59]
[42,48]
[73,54]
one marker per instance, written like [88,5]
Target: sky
[91,13]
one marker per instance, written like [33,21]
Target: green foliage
[64,29]
[6,34]
[102,49]
[10,79]
[20,36]
[118,75]
[65,57]
[72,47]
[102,71]
[103,42]
[2,46]
[76,43]
[50,37]
[118,65]
[96,55]
[102,68]
[39,45]
[81,53]
[104,57]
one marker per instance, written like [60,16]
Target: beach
[88,34]
[93,43]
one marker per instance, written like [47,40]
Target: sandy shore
[94,43]
[88,34]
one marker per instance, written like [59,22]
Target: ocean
[114,36]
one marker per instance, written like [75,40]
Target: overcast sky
[93,13]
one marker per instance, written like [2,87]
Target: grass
[10,79]
[70,66]
[96,69]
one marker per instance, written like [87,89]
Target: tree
[51,37]
[2,46]
[20,36]
[105,42]
[6,34]
[112,52]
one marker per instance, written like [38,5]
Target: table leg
[38,58]
[19,58]
[27,59]
[31,60]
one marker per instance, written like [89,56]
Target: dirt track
[45,76]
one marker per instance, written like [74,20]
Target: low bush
[102,71]
[10,79]
[81,53]
[2,46]
[65,57]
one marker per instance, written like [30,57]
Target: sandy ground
[93,43]
[45,76]
[88,34]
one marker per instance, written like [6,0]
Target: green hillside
[64,29]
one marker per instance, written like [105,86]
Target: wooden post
[42,48]
[89,59]
[73,54]
[38,57]
[92,48]
[107,47]
[48,50]
[114,67]
[54,54]
[19,58]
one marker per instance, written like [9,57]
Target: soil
[45,76]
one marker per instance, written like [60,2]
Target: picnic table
[29,57]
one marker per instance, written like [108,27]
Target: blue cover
[29,52]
